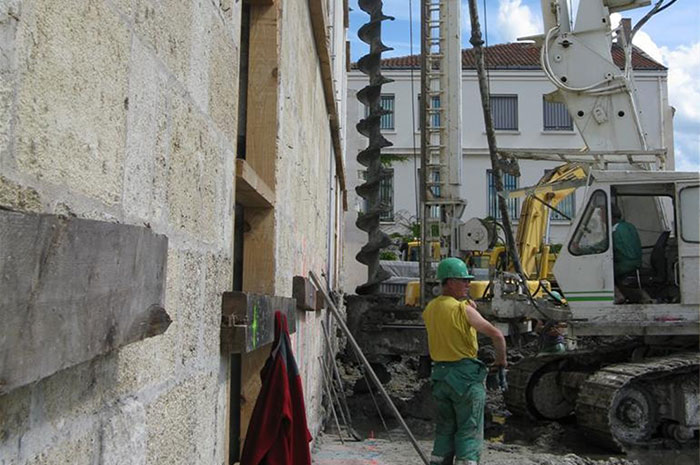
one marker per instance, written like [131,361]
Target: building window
[386,122]
[386,195]
[433,112]
[387,104]
[504,110]
[556,117]
[567,206]
[510,183]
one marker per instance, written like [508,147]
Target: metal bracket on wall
[248,320]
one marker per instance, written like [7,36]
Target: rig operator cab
[662,295]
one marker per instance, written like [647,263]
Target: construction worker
[457,375]
[627,248]
[627,259]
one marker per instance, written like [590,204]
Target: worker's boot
[442,460]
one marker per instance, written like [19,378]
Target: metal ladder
[441,134]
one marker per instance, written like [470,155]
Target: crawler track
[620,405]
[546,387]
[521,376]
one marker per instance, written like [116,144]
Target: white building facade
[523,120]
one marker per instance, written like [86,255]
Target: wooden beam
[259,251]
[251,365]
[318,23]
[248,328]
[263,92]
[305,294]
[74,289]
[251,190]
[346,14]
[262,134]
[248,320]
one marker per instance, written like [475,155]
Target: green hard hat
[453,268]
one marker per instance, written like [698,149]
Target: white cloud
[687,151]
[684,94]
[683,64]
[684,87]
[641,39]
[517,20]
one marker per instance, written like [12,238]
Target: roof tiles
[520,55]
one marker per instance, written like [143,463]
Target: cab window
[690,202]
[591,235]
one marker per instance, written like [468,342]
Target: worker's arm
[481,325]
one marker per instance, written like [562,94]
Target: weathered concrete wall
[125,111]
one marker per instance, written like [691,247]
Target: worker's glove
[502,381]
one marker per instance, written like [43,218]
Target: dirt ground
[328,450]
[509,440]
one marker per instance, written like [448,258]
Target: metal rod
[342,398]
[352,431]
[334,393]
[477,43]
[330,401]
[512,250]
[371,394]
[372,374]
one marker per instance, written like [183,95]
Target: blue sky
[671,37]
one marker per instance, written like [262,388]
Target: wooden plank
[251,365]
[258,251]
[248,320]
[263,92]
[73,289]
[251,190]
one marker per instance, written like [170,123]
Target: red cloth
[277,433]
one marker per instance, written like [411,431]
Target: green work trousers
[458,389]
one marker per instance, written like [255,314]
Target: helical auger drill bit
[370,64]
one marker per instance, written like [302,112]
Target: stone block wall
[126,111]
[305,170]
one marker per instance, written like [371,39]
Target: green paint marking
[590,299]
[254,326]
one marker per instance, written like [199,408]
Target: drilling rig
[643,389]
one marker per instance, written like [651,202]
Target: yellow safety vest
[450,336]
